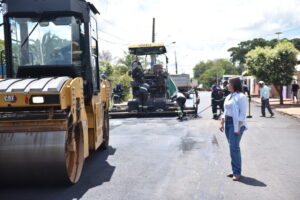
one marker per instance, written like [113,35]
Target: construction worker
[143,96]
[118,93]
[225,92]
[197,102]
[137,72]
[180,100]
[216,101]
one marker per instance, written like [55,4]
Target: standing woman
[235,124]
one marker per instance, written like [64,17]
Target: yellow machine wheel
[74,153]
[105,129]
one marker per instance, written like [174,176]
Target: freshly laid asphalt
[163,158]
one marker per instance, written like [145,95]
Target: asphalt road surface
[163,158]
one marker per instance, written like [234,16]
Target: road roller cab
[53,103]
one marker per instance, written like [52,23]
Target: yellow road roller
[53,101]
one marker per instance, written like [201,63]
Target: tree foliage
[1,45]
[106,68]
[238,54]
[119,72]
[211,72]
[273,65]
[124,78]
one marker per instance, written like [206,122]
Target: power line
[112,35]
[116,43]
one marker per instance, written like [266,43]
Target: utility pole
[176,63]
[153,57]
[153,30]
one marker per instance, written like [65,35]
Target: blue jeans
[234,146]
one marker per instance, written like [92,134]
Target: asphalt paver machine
[160,85]
[53,102]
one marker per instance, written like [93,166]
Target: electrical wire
[116,43]
[114,36]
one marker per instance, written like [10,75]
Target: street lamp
[278,33]
[176,69]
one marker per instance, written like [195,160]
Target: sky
[202,29]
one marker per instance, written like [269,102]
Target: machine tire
[105,129]
[75,159]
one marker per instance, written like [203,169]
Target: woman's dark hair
[236,84]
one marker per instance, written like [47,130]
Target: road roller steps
[53,110]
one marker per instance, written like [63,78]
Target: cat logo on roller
[10,98]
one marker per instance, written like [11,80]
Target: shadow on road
[252,181]
[189,117]
[96,171]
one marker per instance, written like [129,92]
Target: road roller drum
[38,156]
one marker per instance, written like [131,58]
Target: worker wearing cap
[143,96]
[216,100]
[265,95]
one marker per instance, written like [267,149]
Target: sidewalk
[288,108]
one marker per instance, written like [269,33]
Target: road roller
[53,101]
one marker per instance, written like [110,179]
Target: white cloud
[202,29]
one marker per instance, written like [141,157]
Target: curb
[296,116]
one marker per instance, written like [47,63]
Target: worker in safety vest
[216,101]
[180,100]
[143,96]
[118,93]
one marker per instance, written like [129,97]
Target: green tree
[1,49]
[274,65]
[199,69]
[119,73]
[106,68]
[238,54]
[1,45]
[211,72]
[296,43]
[125,79]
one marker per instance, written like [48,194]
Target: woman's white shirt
[235,106]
